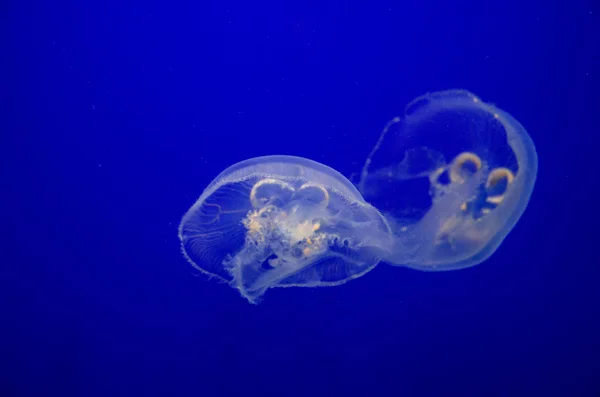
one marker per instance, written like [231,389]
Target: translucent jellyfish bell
[452,177]
[282,221]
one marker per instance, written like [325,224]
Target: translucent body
[452,177]
[441,189]
[281,221]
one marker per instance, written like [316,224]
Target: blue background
[116,114]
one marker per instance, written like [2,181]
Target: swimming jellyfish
[440,190]
[282,221]
[452,178]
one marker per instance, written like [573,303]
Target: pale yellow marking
[495,177]
[256,202]
[325,201]
[456,174]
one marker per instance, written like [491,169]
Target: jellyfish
[440,190]
[452,177]
[283,221]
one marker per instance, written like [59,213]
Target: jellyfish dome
[452,177]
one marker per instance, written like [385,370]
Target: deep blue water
[116,115]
